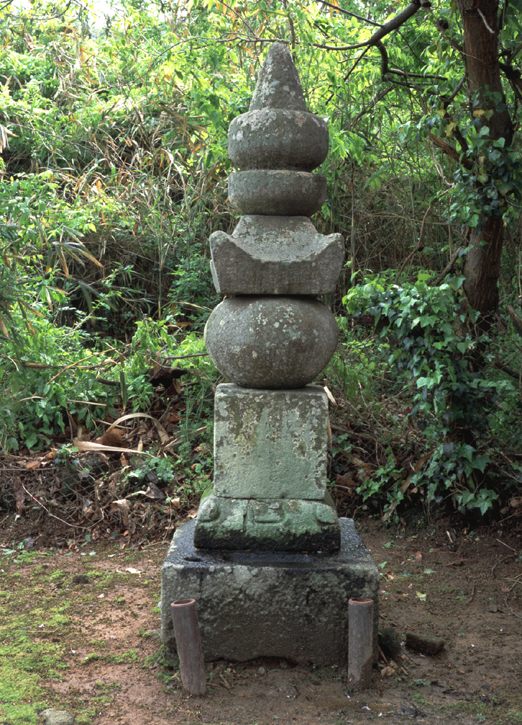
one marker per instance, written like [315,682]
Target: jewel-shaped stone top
[278,132]
[278,85]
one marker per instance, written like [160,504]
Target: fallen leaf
[345,481]
[406,485]
[124,506]
[88,446]
[387,671]
[132,571]
[330,396]
[421,596]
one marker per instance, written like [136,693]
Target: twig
[419,246]
[472,595]
[73,526]
[509,556]
[352,15]
[507,545]
[506,369]
[447,269]
[506,601]
[479,11]
[517,513]
[183,357]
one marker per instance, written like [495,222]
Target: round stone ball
[271,342]
[276,138]
[276,193]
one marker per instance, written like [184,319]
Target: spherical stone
[275,138]
[270,342]
[276,193]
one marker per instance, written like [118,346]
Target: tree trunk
[482,265]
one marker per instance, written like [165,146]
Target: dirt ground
[464,586]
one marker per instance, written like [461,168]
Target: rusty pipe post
[360,643]
[188,642]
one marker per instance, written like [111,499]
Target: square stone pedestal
[270,454]
[253,604]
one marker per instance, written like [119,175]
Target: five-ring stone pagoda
[268,561]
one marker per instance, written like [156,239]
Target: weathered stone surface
[57,717]
[271,342]
[253,604]
[276,138]
[280,193]
[272,255]
[270,443]
[267,525]
[278,85]
[424,643]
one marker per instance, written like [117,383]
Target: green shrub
[434,354]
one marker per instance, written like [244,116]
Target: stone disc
[271,343]
[277,193]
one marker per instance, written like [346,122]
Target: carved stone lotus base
[267,524]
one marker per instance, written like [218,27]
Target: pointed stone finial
[278,85]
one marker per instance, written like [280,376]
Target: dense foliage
[113,171]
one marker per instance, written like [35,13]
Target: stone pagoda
[268,530]
[271,337]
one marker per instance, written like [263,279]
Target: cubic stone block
[253,604]
[270,443]
[272,255]
[280,193]
[271,342]
[267,524]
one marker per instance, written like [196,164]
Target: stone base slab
[267,525]
[253,605]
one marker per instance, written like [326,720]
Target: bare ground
[464,586]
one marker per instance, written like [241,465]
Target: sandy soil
[462,585]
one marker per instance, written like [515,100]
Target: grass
[38,603]
[33,626]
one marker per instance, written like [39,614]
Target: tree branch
[371,104]
[449,151]
[420,243]
[513,75]
[346,12]
[394,23]
[447,269]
